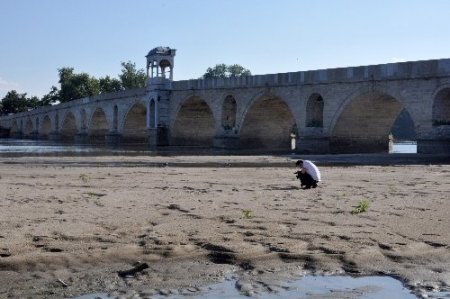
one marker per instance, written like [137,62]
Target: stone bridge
[342,110]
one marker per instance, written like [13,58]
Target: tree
[130,77]
[76,86]
[226,71]
[14,102]
[33,102]
[50,98]
[218,71]
[237,70]
[108,84]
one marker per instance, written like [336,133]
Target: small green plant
[247,213]
[362,207]
[94,194]
[84,177]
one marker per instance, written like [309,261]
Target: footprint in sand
[174,206]
[4,252]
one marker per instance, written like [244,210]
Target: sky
[37,37]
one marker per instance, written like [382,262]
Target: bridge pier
[54,136]
[153,137]
[32,135]
[113,138]
[313,145]
[17,135]
[158,136]
[359,145]
[226,141]
[82,138]
[433,146]
[435,141]
[4,132]
[41,137]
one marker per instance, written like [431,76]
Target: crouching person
[308,174]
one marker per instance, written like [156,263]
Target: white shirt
[311,169]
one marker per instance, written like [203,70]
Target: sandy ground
[68,225]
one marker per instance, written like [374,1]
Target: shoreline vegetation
[71,225]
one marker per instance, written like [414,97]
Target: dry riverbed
[69,225]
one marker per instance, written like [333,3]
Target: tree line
[226,71]
[74,86]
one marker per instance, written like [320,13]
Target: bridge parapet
[391,71]
[138,92]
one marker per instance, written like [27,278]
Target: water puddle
[43,147]
[404,147]
[310,287]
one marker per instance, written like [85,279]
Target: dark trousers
[306,180]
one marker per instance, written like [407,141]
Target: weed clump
[84,177]
[247,213]
[362,207]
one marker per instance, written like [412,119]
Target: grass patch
[94,194]
[247,213]
[85,178]
[362,207]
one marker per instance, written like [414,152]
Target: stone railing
[390,71]
[79,102]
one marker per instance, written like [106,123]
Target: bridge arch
[28,130]
[267,123]
[364,123]
[46,127]
[194,123]
[314,111]
[15,127]
[403,128]
[135,124]
[441,107]
[98,125]
[69,126]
